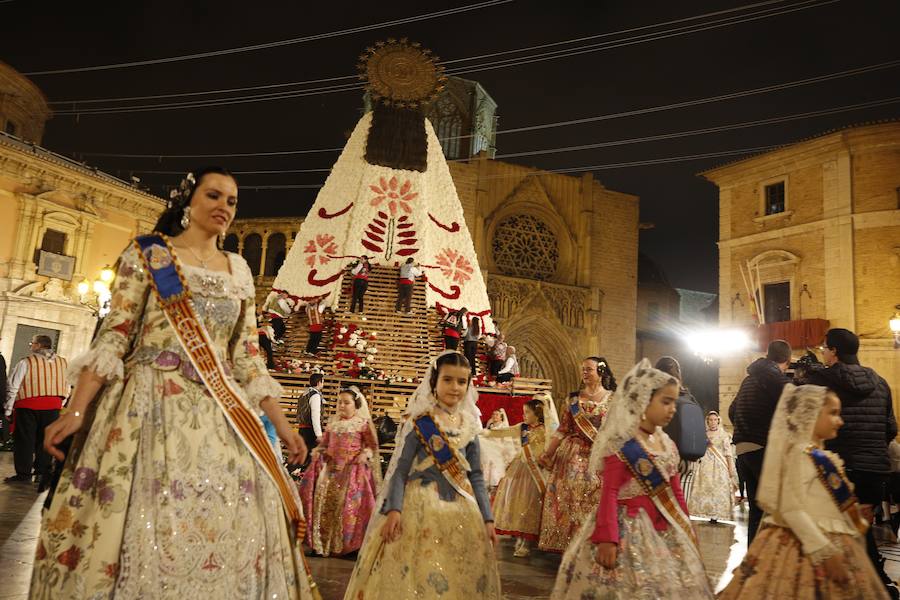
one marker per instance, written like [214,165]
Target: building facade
[814,230]
[61,224]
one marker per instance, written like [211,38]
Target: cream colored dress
[443,551]
[160,498]
[715,479]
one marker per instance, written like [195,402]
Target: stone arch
[549,345]
[253,252]
[530,198]
[231,242]
[275,253]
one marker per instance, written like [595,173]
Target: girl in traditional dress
[520,495]
[638,542]
[171,489]
[573,489]
[715,478]
[434,537]
[338,489]
[811,543]
[496,452]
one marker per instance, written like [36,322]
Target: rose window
[524,246]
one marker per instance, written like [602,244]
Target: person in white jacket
[510,368]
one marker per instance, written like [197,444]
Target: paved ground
[722,545]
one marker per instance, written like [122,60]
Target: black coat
[3,382]
[868,413]
[753,407]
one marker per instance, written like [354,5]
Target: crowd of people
[170,487]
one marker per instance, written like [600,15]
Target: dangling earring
[643,417]
[186,217]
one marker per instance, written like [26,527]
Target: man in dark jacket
[869,423]
[751,414]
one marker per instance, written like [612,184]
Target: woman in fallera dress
[339,487]
[572,488]
[638,543]
[715,477]
[168,491]
[434,536]
[520,495]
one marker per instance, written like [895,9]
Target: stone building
[61,224]
[818,223]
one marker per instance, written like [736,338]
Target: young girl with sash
[810,544]
[715,478]
[573,489]
[338,488]
[520,495]
[638,542]
[171,488]
[434,536]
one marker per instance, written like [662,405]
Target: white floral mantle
[389,215]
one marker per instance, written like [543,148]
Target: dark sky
[826,38]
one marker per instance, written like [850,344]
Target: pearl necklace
[200,259]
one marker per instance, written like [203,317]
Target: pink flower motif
[319,248]
[454,265]
[397,196]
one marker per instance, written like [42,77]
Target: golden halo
[400,73]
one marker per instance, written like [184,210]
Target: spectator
[36,390]
[751,413]
[869,424]
[688,427]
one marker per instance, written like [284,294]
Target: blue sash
[838,486]
[438,447]
[582,421]
[537,473]
[648,475]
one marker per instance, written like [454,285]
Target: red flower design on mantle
[454,265]
[319,248]
[396,195]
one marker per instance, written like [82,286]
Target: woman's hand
[294,444]
[57,431]
[491,533]
[362,458]
[392,529]
[606,554]
[835,570]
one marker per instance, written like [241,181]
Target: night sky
[823,38]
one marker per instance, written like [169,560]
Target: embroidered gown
[518,501]
[655,559]
[162,499]
[572,490]
[785,558]
[443,550]
[338,492]
[715,479]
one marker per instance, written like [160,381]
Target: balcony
[799,334]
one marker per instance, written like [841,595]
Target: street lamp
[894,324]
[101,296]
[107,275]
[711,344]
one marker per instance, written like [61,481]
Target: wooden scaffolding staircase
[405,344]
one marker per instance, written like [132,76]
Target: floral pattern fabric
[338,491]
[573,491]
[160,498]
